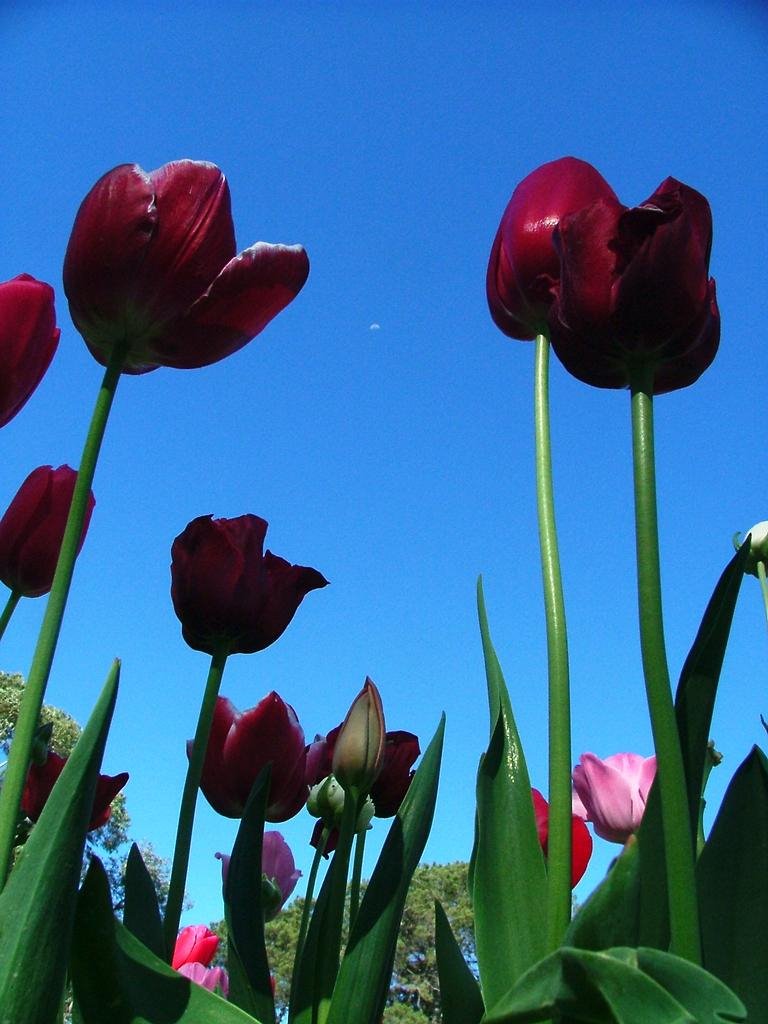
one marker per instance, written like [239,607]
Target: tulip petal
[286,586]
[214,781]
[194,240]
[251,289]
[28,340]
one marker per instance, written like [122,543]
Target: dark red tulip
[32,529]
[41,779]
[227,590]
[524,266]
[241,744]
[152,260]
[581,840]
[635,290]
[28,340]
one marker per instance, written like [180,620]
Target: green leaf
[732,875]
[697,688]
[365,972]
[249,982]
[461,1001]
[37,906]
[117,980]
[617,986]
[507,872]
[141,913]
[630,906]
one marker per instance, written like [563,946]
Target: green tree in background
[414,995]
[110,842]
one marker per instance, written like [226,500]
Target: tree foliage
[414,996]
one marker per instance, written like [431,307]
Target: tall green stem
[189,799]
[10,607]
[306,911]
[34,691]
[357,874]
[559,841]
[678,842]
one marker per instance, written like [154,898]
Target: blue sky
[397,460]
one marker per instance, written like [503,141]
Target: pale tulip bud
[359,752]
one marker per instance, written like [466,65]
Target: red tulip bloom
[581,840]
[152,261]
[635,289]
[524,266]
[241,744]
[32,529]
[226,589]
[28,340]
[41,779]
[195,944]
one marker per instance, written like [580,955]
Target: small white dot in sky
[375,327]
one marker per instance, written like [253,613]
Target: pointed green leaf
[365,972]
[249,980]
[37,905]
[507,872]
[732,875]
[617,986]
[117,980]
[610,915]
[697,688]
[141,912]
[461,1001]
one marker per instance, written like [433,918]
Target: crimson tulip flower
[41,779]
[227,590]
[28,340]
[32,529]
[152,263]
[241,744]
[581,840]
[635,290]
[524,266]
[613,792]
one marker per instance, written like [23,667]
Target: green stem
[333,921]
[10,607]
[34,691]
[357,874]
[178,881]
[306,911]
[559,841]
[678,842]
[763,587]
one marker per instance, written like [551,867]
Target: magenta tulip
[41,779]
[581,840]
[195,944]
[241,744]
[613,792]
[524,267]
[28,340]
[635,289]
[32,529]
[227,591]
[278,869]
[152,265]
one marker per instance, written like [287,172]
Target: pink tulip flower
[613,792]
[211,978]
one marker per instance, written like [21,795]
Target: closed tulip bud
[524,268]
[28,340]
[358,755]
[32,529]
[758,547]
[613,792]
[581,840]
[152,265]
[195,944]
[326,800]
